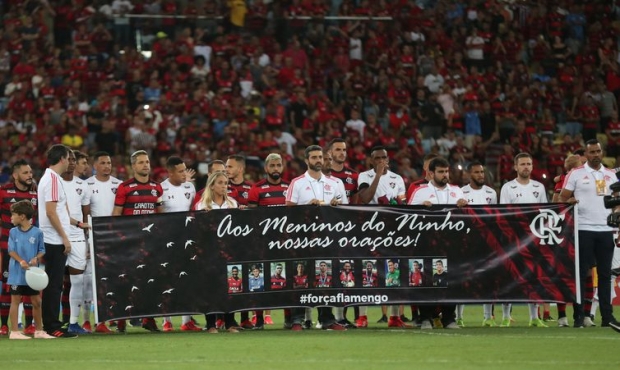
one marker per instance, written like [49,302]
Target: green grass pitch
[473,347]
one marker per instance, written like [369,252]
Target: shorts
[23,290]
[77,256]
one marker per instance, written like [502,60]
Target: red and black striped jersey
[348,176]
[138,198]
[266,194]
[300,281]
[242,190]
[235,285]
[10,194]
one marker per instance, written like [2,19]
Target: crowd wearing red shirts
[471,80]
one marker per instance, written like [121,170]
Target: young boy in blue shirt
[26,248]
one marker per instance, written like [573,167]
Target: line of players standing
[104,195]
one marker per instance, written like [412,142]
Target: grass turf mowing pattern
[473,347]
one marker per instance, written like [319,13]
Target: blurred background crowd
[204,79]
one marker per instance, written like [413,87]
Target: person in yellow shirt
[72,138]
[238,10]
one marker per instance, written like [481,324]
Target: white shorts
[77,256]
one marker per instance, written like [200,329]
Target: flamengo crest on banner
[547,226]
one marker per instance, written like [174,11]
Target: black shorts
[5,264]
[23,290]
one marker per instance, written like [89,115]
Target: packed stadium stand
[203,79]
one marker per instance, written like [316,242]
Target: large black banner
[228,260]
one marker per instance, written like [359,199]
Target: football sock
[20,313]
[533,311]
[593,308]
[87,293]
[185,319]
[394,311]
[167,319]
[5,306]
[86,307]
[414,312]
[506,307]
[487,310]
[363,310]
[588,294]
[459,311]
[308,316]
[64,298]
[76,297]
[561,310]
[339,313]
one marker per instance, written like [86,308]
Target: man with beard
[21,188]
[55,222]
[102,194]
[588,184]
[137,196]
[438,191]
[519,191]
[476,192]
[78,200]
[338,150]
[314,188]
[328,163]
[269,192]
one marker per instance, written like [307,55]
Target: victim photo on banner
[230,260]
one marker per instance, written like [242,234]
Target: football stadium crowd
[468,80]
[199,83]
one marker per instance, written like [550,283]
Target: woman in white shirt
[215,197]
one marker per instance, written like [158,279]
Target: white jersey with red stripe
[305,188]
[449,194]
[50,189]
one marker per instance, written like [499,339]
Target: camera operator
[588,185]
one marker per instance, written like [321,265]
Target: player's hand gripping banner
[228,260]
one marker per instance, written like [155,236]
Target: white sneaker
[318,325]
[42,334]
[426,325]
[563,322]
[18,335]
[452,325]
[587,322]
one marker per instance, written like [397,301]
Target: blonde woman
[215,197]
[215,194]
